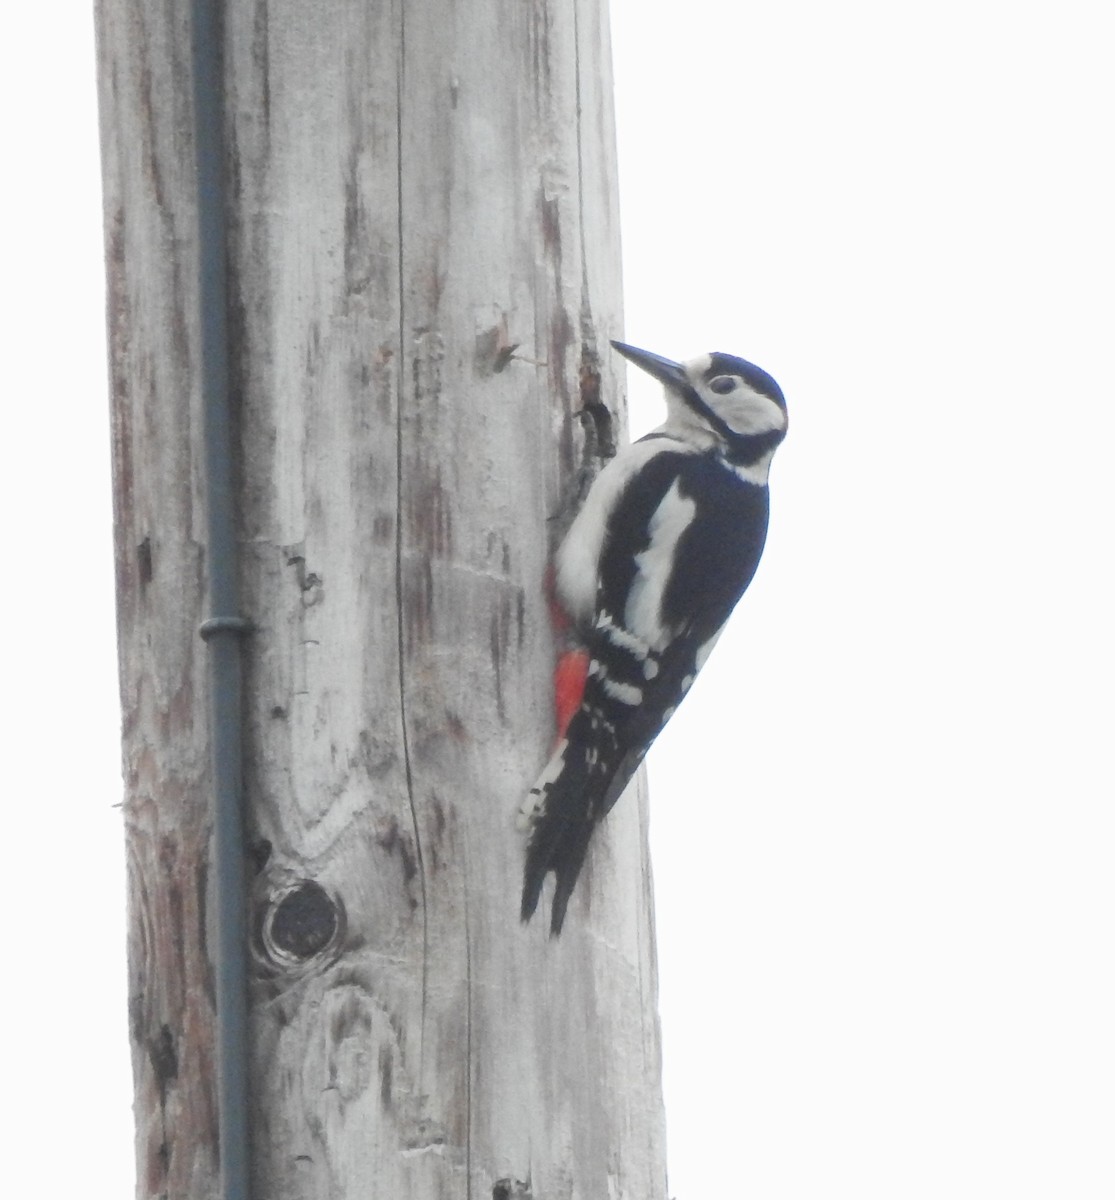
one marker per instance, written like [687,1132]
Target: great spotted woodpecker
[667,541]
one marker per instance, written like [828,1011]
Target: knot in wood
[511,1189]
[301,923]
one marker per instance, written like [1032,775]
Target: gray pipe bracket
[213,626]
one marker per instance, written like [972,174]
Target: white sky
[883,821]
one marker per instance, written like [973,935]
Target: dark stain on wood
[540,49]
[164,1061]
[499,636]
[119,363]
[549,213]
[116,287]
[357,232]
[439,816]
[181,713]
[171,1026]
[394,840]
[152,160]
[429,351]
[349,1069]
[145,561]
[386,1073]
[261,60]
[312,358]
[383,383]
[436,284]
[430,516]
[427,529]
[561,338]
[496,540]
[418,601]
[209,969]
[259,851]
[432,846]
[157,1163]
[172,893]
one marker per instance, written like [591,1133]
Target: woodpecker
[668,538]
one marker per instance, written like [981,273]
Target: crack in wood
[400,524]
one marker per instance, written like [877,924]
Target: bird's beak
[665,370]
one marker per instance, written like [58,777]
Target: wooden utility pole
[423,277]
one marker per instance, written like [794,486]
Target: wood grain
[425,274]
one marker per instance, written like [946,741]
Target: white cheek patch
[644,605]
[747,411]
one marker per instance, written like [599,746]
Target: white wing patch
[578,557]
[643,614]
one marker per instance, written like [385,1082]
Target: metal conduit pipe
[225,628]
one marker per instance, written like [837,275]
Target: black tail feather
[567,868]
[561,848]
[569,797]
[559,843]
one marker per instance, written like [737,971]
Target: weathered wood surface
[150,239]
[414,189]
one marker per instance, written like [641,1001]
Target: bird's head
[720,400]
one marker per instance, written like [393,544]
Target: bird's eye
[723,384]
